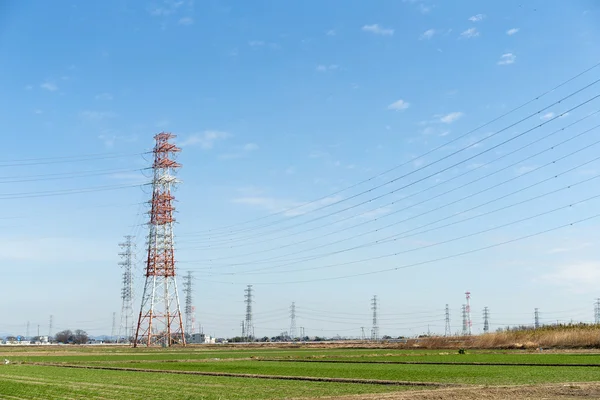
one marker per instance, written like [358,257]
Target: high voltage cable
[451,203]
[62,160]
[435,259]
[257,271]
[446,157]
[25,195]
[65,175]
[408,162]
[422,191]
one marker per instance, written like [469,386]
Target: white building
[201,338]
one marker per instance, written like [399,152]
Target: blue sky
[280,104]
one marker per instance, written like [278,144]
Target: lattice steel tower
[127,260]
[536,318]
[597,312]
[375,328]
[293,320]
[464,320]
[249,325]
[447,330]
[468,312]
[189,304]
[160,320]
[486,320]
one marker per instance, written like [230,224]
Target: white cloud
[507,59]
[512,31]
[256,43]
[273,204]
[477,18]
[331,32]
[325,68]
[29,87]
[425,9]
[49,86]
[104,96]
[547,116]
[378,30]
[428,34]
[38,111]
[167,8]
[205,140]
[450,118]
[581,277]
[54,250]
[399,105]
[97,115]
[470,33]
[250,147]
[525,169]
[186,21]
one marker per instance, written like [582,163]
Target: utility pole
[486,318]
[362,336]
[127,255]
[160,321]
[293,321]
[189,305]
[597,312]
[302,335]
[27,331]
[243,330]
[375,329]
[536,316]
[50,327]
[468,311]
[114,326]
[447,330]
[249,323]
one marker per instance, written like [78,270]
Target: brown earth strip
[256,376]
[571,391]
[428,363]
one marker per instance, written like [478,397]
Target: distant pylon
[127,255]
[464,320]
[468,312]
[27,332]
[597,312]
[249,324]
[114,327]
[189,304]
[536,318]
[50,326]
[486,320]
[160,320]
[362,336]
[447,331]
[243,330]
[375,328]
[293,320]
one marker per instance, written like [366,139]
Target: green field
[52,372]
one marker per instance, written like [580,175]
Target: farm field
[95,372]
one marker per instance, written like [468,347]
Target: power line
[283,212]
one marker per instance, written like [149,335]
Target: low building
[201,338]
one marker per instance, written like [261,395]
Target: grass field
[93,372]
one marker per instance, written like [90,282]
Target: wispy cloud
[581,277]
[378,30]
[262,43]
[399,105]
[104,96]
[470,33]
[29,87]
[547,116]
[52,87]
[428,34]
[507,59]
[325,68]
[331,32]
[206,140]
[250,147]
[97,115]
[450,118]
[477,18]
[512,31]
[186,21]
[166,8]
[288,207]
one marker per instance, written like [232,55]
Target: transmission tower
[293,320]
[160,320]
[249,324]
[27,332]
[127,255]
[464,320]
[362,333]
[114,326]
[189,307]
[375,329]
[243,329]
[486,320]
[447,331]
[597,312]
[468,312]
[536,316]
[50,327]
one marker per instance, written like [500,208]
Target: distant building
[201,338]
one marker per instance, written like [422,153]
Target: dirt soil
[571,391]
